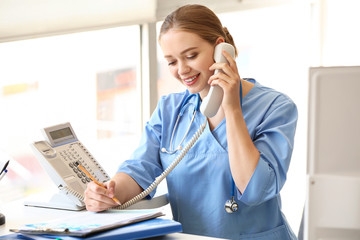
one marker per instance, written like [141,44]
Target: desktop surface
[17,214]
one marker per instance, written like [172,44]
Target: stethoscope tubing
[182,109]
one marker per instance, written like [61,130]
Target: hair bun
[229,38]
[227,35]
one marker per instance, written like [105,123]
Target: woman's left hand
[229,80]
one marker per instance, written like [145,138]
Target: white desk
[17,214]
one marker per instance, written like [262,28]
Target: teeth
[190,79]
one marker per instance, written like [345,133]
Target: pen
[5,166]
[95,181]
[4,170]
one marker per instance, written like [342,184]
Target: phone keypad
[70,156]
[76,152]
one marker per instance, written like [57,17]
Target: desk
[17,214]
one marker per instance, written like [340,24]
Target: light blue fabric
[200,185]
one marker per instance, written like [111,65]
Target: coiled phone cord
[167,170]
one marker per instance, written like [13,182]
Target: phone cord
[167,170]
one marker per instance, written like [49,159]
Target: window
[340,39]
[89,79]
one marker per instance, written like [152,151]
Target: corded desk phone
[58,155]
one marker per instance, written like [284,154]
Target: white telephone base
[56,201]
[156,202]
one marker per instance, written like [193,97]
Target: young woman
[243,154]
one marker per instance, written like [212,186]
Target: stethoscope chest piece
[231,205]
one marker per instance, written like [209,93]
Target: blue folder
[149,228]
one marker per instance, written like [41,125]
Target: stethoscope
[182,109]
[231,205]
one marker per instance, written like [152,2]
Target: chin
[198,89]
[192,91]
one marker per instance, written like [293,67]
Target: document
[86,223]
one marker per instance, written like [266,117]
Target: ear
[219,40]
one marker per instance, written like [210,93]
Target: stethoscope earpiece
[171,152]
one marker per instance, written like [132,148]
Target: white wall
[33,18]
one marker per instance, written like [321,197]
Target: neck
[204,92]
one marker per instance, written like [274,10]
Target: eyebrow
[186,50]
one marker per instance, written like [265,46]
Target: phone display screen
[61,133]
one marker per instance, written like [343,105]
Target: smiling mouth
[189,80]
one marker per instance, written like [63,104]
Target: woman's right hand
[98,198]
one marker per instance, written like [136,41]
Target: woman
[244,151]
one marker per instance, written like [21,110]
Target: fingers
[229,71]
[229,58]
[98,198]
[110,185]
[221,65]
[229,80]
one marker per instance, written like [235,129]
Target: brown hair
[197,19]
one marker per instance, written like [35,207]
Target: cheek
[205,64]
[205,69]
[174,72]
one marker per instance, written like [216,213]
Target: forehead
[178,40]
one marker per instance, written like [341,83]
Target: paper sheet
[84,223]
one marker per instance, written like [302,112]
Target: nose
[183,68]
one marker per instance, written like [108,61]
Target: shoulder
[269,110]
[172,100]
[266,102]
[167,106]
[173,97]
[264,95]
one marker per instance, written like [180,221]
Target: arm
[263,159]
[243,155]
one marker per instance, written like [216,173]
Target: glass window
[341,39]
[89,79]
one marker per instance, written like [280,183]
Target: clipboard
[145,229]
[84,224]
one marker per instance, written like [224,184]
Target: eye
[192,56]
[170,63]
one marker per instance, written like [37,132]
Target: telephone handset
[211,103]
[57,156]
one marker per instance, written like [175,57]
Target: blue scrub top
[201,184]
